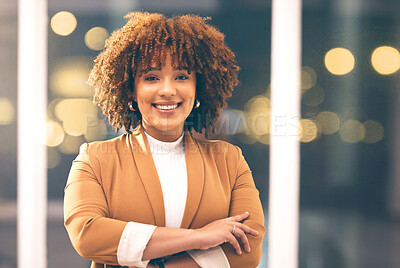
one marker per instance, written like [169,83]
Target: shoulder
[219,148]
[223,155]
[105,148]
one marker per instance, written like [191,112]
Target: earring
[131,107]
[197,104]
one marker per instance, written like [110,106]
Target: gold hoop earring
[131,107]
[197,104]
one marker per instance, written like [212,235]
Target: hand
[226,230]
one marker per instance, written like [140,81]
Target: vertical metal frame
[32,113]
[283,217]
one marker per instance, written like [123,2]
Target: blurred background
[350,135]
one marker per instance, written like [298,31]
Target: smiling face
[165,99]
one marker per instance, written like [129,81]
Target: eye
[182,77]
[151,78]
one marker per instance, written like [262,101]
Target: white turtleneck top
[170,162]
[169,159]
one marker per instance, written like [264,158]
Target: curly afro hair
[146,38]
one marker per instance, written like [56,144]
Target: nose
[167,88]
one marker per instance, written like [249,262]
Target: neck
[163,135]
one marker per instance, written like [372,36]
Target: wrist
[196,238]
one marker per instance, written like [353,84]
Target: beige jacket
[114,182]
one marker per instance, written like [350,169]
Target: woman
[161,192]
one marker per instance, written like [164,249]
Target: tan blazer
[114,182]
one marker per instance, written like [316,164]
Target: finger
[233,241]
[246,229]
[240,217]
[240,234]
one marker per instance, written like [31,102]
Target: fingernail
[256,232]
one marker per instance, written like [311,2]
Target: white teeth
[166,107]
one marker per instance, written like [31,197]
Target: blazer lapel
[148,173]
[195,177]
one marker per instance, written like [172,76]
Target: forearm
[167,241]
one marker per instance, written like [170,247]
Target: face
[165,99]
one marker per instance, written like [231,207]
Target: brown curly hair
[146,38]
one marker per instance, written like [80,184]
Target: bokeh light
[96,37]
[339,61]
[352,131]
[7,111]
[373,131]
[308,78]
[260,124]
[258,104]
[55,134]
[69,78]
[257,111]
[313,97]
[328,122]
[308,130]
[385,60]
[50,109]
[63,23]
[76,115]
[264,139]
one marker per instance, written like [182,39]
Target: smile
[166,107]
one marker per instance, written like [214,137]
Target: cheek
[142,98]
[191,97]
[192,91]
[143,105]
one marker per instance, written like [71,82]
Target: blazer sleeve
[93,234]
[245,197]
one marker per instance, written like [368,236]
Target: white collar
[162,147]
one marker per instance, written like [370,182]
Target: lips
[166,106]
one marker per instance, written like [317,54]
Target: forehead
[160,60]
